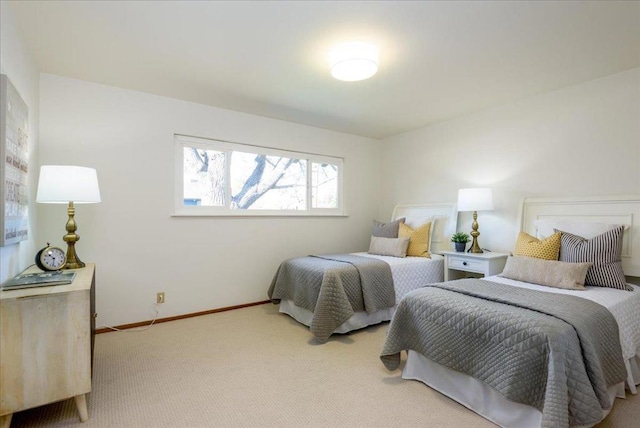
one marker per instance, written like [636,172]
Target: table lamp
[62,184]
[476,199]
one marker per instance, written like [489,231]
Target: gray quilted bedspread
[557,353]
[333,287]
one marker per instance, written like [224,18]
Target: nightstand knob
[464,263]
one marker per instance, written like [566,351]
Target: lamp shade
[353,61]
[61,184]
[475,199]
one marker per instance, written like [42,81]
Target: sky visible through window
[258,181]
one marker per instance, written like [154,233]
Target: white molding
[613,209]
[446,219]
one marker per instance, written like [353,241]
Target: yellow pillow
[419,239]
[530,246]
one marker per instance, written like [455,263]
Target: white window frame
[180,209]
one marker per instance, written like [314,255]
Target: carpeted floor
[254,367]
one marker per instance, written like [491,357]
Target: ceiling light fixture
[353,61]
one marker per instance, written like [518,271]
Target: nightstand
[457,264]
[47,344]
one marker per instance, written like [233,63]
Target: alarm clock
[51,258]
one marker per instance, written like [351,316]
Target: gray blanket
[334,287]
[557,353]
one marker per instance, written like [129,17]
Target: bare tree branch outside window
[257,181]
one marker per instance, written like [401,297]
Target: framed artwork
[14,165]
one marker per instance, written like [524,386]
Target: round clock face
[51,258]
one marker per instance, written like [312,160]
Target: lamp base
[73,262]
[74,265]
[475,248]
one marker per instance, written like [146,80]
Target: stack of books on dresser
[38,279]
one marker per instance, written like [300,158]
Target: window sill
[258,215]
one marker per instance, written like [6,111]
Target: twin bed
[476,343]
[305,286]
[518,353]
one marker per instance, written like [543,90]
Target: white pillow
[395,247]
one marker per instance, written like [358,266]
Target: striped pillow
[604,251]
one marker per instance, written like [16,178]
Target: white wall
[201,263]
[17,64]
[582,140]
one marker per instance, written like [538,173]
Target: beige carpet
[254,367]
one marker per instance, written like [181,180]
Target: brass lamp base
[475,248]
[73,262]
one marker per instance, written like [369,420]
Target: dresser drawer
[467,265]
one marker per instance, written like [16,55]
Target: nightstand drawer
[488,263]
[467,265]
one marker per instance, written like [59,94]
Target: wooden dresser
[46,344]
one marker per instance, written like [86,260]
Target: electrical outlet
[160,297]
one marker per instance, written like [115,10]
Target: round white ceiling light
[353,61]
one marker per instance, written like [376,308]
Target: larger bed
[473,341]
[308,289]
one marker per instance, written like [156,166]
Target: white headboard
[620,210]
[445,216]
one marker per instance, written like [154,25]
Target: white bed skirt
[481,398]
[408,274]
[357,321]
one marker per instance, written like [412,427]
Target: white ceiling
[438,60]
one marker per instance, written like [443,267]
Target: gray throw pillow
[551,273]
[386,230]
[395,247]
[604,251]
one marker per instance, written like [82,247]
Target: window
[222,178]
